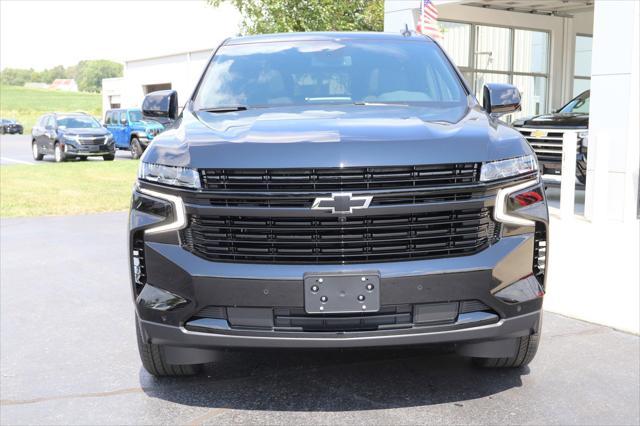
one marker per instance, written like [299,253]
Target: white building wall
[112,89]
[181,71]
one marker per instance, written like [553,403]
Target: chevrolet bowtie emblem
[342,203]
[539,133]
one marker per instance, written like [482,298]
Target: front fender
[140,134]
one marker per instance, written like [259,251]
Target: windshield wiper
[229,108]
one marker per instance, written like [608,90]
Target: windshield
[135,116]
[578,105]
[78,122]
[324,72]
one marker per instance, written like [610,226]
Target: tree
[274,16]
[89,74]
[17,77]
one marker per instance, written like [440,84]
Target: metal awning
[542,7]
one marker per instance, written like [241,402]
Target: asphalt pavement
[16,149]
[68,356]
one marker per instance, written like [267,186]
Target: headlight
[108,139]
[507,168]
[169,175]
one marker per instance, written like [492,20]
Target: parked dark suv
[71,135]
[10,126]
[336,190]
[545,133]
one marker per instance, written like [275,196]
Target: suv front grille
[91,140]
[549,146]
[340,179]
[351,239]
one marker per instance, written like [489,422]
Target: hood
[100,131]
[147,124]
[560,120]
[340,136]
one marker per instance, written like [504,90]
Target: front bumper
[79,150]
[260,295]
[13,130]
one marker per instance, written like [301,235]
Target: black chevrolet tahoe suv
[336,190]
[545,133]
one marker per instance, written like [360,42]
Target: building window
[582,65]
[489,54]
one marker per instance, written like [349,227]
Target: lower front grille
[337,240]
[297,319]
[387,317]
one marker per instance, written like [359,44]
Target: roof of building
[324,36]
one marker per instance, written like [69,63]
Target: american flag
[428,21]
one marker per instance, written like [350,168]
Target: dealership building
[551,50]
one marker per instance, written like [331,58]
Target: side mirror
[161,105]
[499,99]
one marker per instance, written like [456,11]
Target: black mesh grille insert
[330,240]
[137,260]
[467,306]
[540,253]
[388,316]
[339,179]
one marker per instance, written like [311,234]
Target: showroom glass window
[582,65]
[489,54]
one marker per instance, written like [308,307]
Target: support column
[614,139]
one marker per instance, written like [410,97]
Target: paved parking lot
[16,149]
[68,356]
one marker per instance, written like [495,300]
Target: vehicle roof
[67,114]
[123,109]
[326,36]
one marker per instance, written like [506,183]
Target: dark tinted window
[78,122]
[320,72]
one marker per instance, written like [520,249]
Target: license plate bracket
[340,293]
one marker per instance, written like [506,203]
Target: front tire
[109,157]
[154,360]
[58,154]
[527,348]
[34,150]
[136,148]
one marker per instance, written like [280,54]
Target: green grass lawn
[26,105]
[66,188]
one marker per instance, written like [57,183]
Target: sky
[43,34]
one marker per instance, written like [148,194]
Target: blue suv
[130,131]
